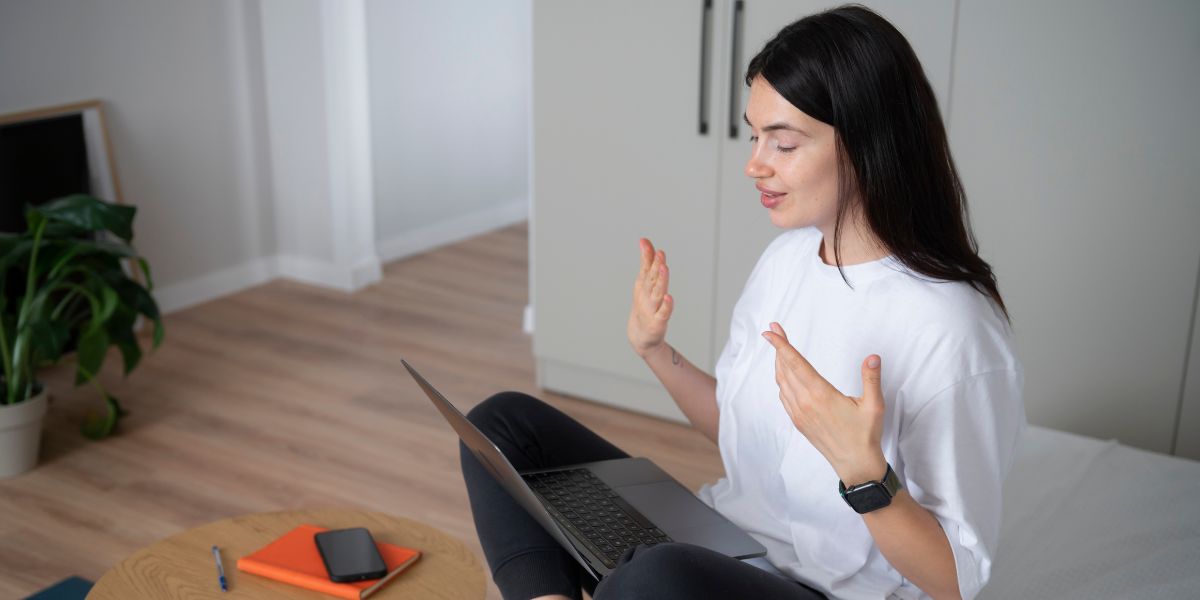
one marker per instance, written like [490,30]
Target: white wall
[181,114]
[450,93]
[242,128]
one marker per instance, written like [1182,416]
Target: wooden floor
[290,396]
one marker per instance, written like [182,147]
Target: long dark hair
[850,68]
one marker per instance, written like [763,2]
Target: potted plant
[64,287]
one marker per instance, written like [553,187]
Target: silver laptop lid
[495,463]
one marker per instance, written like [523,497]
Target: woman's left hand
[846,430]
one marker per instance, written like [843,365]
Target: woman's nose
[756,169]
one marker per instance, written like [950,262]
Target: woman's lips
[770,198]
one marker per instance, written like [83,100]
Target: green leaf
[120,334]
[66,231]
[131,353]
[88,213]
[136,296]
[101,426]
[109,247]
[108,304]
[14,250]
[55,255]
[34,218]
[92,346]
[49,338]
[146,271]
[139,300]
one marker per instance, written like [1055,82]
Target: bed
[1085,518]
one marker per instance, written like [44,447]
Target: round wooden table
[182,566]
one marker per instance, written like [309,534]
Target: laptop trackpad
[670,506]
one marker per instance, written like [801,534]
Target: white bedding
[1085,518]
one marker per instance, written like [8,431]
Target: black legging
[526,562]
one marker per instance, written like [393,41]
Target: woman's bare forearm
[693,390]
[912,540]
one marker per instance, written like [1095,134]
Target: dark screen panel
[40,161]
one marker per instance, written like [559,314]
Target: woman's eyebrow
[778,125]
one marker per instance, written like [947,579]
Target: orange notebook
[294,559]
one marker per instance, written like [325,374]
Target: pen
[220,570]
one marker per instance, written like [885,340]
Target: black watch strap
[872,495]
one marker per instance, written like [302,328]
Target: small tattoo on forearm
[675,358]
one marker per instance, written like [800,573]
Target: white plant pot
[21,434]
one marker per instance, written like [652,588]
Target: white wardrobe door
[744,227]
[1074,127]
[617,156]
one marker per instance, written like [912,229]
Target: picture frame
[104,182]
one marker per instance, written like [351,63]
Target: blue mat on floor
[71,588]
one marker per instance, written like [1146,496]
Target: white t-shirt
[952,387]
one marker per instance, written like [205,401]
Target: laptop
[597,510]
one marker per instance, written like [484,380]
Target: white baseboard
[181,295]
[189,293]
[365,273]
[447,232]
[219,283]
[328,274]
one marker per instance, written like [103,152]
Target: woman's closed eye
[754,138]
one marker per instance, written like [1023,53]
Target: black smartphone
[350,555]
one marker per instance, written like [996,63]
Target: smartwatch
[872,495]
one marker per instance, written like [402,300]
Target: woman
[868,402]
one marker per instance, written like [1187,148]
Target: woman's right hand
[652,305]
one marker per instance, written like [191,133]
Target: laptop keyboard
[594,513]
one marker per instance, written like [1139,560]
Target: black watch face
[868,498]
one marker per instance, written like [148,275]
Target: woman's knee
[502,405]
[494,417]
[660,571]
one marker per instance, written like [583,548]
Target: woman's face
[793,160]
